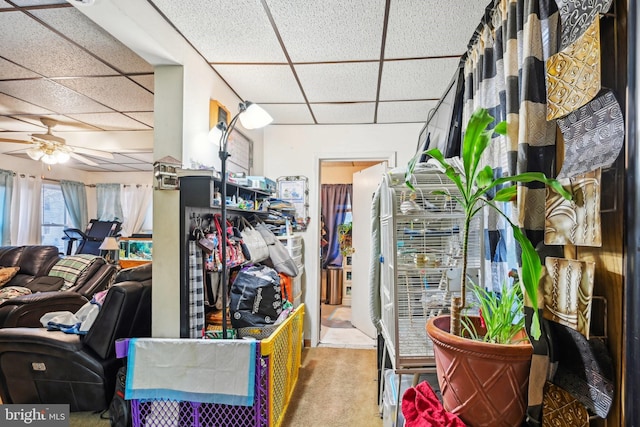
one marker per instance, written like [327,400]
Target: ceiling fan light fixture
[61,156]
[35,153]
[50,159]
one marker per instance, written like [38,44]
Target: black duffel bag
[256,298]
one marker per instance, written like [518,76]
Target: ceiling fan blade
[90,152]
[83,159]
[15,141]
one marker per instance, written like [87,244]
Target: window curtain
[135,203]
[6,191]
[74,194]
[505,73]
[109,205]
[26,210]
[335,199]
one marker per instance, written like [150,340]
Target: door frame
[381,156]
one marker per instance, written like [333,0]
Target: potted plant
[470,370]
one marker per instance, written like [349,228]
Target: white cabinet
[293,244]
[346,280]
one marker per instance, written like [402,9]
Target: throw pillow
[71,267]
[45,284]
[12,292]
[7,273]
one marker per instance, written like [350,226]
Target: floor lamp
[252,116]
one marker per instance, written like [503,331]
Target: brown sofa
[35,263]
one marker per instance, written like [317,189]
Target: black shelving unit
[197,197]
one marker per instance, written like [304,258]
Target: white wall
[297,150]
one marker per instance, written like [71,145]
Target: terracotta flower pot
[484,384]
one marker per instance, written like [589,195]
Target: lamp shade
[254,117]
[109,244]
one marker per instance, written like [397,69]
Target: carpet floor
[336,387]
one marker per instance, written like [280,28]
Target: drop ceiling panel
[9,70]
[37,2]
[241,33]
[329,30]
[64,123]
[416,79]
[5,5]
[417,27]
[13,106]
[147,81]
[258,82]
[339,82]
[144,117]
[405,111]
[51,95]
[289,113]
[110,121]
[118,93]
[76,26]
[30,44]
[344,113]
[11,125]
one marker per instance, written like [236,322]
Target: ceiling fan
[52,149]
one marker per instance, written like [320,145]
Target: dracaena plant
[476,186]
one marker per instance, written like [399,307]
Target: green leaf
[506,194]
[485,177]
[476,140]
[501,128]
[531,271]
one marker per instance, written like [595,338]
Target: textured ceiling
[306,62]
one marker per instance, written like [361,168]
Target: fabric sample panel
[568,288]
[576,16]
[561,409]
[573,74]
[593,135]
[577,221]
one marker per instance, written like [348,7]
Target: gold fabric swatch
[573,74]
[577,221]
[561,409]
[568,288]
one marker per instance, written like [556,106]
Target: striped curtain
[505,73]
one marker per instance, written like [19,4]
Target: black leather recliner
[35,262]
[50,367]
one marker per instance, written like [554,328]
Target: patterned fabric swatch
[577,221]
[593,135]
[573,74]
[567,286]
[71,267]
[585,369]
[560,409]
[577,15]
[196,292]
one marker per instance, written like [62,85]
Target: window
[54,216]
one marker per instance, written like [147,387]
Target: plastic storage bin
[389,400]
[276,375]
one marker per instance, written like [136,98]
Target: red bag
[235,255]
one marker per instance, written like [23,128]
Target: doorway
[339,300]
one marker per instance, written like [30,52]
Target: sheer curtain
[26,210]
[6,190]
[135,203]
[75,200]
[109,205]
[335,199]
